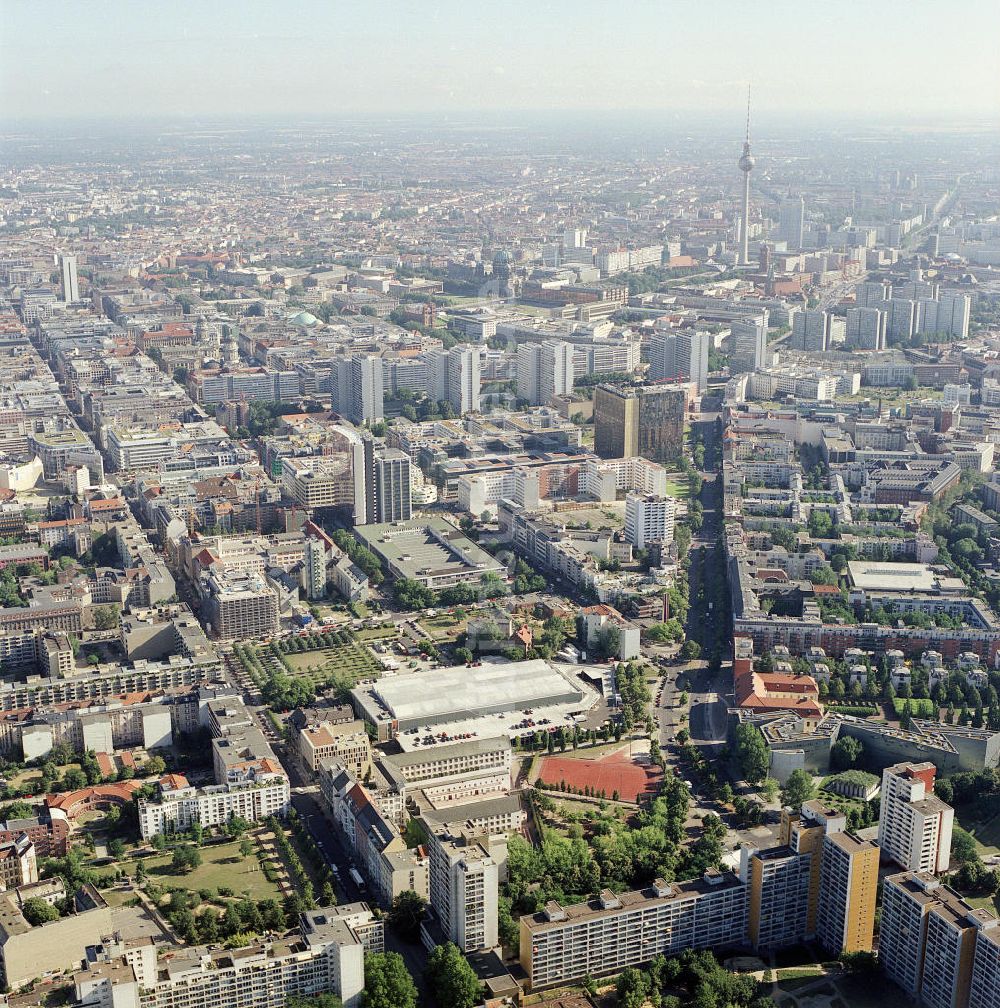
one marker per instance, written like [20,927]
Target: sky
[884,59]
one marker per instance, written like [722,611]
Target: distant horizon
[515,116]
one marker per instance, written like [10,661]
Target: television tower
[746,163]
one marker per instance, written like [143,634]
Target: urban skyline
[499,501]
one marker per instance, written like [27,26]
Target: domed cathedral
[508,285]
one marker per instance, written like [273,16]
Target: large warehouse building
[397,703]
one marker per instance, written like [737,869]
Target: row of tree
[452,981]
[694,979]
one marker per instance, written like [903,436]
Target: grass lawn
[34,776]
[377,633]
[987,834]
[442,626]
[984,902]
[918,708]
[118,897]
[222,865]
[798,973]
[679,489]
[342,662]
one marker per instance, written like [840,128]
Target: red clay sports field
[615,772]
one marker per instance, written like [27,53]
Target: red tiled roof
[110,504]
[753,692]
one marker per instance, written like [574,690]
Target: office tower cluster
[917,307]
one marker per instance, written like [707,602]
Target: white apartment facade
[544,370]
[915,827]
[464,891]
[649,520]
[561,945]
[327,955]
[179,808]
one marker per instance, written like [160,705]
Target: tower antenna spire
[745,165]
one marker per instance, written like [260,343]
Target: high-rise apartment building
[848,891]
[820,881]
[935,946]
[749,343]
[902,319]
[455,377]
[778,895]
[914,826]
[984,985]
[392,498]
[314,568]
[792,222]
[560,945]
[649,520]
[646,420]
[357,388]
[544,370]
[464,381]
[866,328]
[810,331]
[464,890]
[871,295]
[68,280]
[947,315]
[680,353]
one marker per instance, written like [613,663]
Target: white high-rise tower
[746,163]
[68,279]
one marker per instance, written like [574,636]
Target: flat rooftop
[422,548]
[655,895]
[453,693]
[888,576]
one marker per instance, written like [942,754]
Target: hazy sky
[905,58]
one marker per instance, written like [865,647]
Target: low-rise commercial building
[432,552]
[27,952]
[346,744]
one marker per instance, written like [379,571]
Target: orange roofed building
[772,692]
